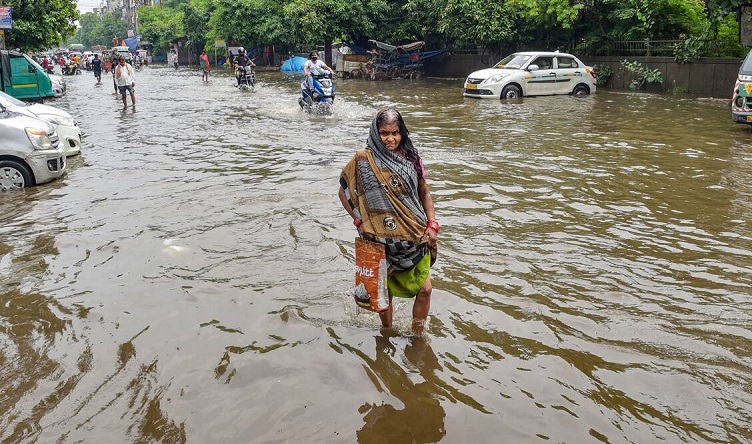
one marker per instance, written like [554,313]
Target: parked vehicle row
[35,138]
[30,152]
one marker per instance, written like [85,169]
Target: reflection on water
[420,418]
[188,280]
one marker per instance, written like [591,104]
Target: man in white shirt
[126,81]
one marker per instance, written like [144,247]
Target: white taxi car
[532,73]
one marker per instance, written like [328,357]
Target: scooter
[245,77]
[318,99]
[71,68]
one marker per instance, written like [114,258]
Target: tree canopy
[40,24]
[582,26]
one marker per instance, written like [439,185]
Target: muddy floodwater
[188,279]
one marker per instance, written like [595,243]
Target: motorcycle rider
[47,65]
[314,66]
[242,61]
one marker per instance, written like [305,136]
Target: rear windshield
[746,68]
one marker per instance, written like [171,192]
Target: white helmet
[241,51]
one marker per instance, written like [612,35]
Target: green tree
[479,22]
[85,34]
[322,21]
[160,25]
[250,22]
[109,28]
[41,24]
[548,13]
[653,19]
[197,16]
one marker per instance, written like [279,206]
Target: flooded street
[188,279]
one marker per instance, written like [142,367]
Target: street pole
[2,33]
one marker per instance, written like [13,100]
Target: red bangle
[432,224]
[357,222]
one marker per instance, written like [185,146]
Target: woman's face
[390,135]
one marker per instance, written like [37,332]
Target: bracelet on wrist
[432,224]
[357,222]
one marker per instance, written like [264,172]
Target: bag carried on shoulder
[371,271]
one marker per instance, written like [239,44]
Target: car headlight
[38,138]
[495,79]
[57,120]
[743,78]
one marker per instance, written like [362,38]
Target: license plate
[472,86]
[749,118]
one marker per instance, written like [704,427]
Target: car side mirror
[533,68]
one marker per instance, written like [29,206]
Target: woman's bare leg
[421,306]
[386,316]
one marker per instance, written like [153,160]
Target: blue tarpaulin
[132,43]
[293,64]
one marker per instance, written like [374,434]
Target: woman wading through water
[384,189]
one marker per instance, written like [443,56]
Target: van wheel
[14,176]
[511,92]
[581,90]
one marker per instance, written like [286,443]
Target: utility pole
[2,33]
[188,31]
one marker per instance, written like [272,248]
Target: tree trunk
[328,51]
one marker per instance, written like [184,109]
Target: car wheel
[581,90]
[511,92]
[14,176]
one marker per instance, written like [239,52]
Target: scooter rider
[241,61]
[314,66]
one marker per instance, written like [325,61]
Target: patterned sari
[382,190]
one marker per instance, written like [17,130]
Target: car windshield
[7,99]
[746,68]
[513,61]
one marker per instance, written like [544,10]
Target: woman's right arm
[346,206]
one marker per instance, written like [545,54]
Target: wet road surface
[188,280]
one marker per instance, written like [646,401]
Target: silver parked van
[30,152]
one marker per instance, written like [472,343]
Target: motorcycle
[245,77]
[71,68]
[317,94]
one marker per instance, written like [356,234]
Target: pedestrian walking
[205,65]
[383,188]
[126,81]
[96,66]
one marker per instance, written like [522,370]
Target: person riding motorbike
[241,63]
[47,65]
[314,66]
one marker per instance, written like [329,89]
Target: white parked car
[532,73]
[30,153]
[67,130]
[58,85]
